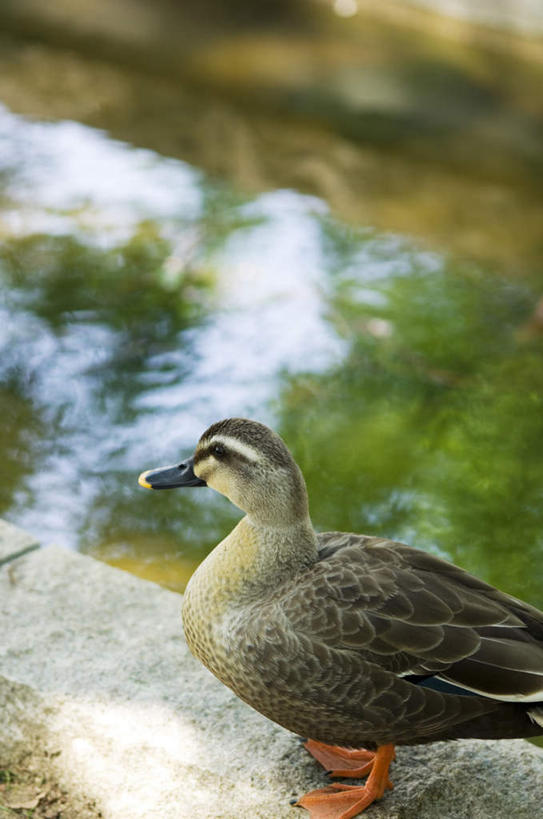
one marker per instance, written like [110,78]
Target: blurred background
[321,214]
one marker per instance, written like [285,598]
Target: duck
[357,643]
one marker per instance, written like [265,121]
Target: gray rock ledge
[98,687]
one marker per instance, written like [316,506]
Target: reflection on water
[392,128]
[137,320]
[408,383]
[431,428]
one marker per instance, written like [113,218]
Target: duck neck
[281,549]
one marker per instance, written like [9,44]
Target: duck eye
[218,450]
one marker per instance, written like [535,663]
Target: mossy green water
[147,293]
[431,428]
[427,426]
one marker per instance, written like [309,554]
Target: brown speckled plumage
[320,654]
[348,639]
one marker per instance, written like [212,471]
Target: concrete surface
[97,686]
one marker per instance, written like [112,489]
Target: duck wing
[422,618]
[380,643]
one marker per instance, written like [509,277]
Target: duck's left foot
[345,801]
[340,761]
[337,801]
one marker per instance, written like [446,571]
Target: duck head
[249,464]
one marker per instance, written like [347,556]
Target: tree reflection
[428,429]
[21,432]
[101,332]
[431,430]
[95,329]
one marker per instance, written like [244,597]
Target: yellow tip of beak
[142,481]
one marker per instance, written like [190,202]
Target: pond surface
[144,297]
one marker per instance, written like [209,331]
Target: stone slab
[98,685]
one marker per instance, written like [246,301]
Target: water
[134,317]
[144,297]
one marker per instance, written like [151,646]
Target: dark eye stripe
[202,454]
[224,454]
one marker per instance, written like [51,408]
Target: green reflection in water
[161,536]
[111,323]
[68,283]
[21,431]
[431,430]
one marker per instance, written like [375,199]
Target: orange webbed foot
[339,801]
[339,761]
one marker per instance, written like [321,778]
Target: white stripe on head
[235,445]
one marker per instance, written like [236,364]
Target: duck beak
[168,477]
